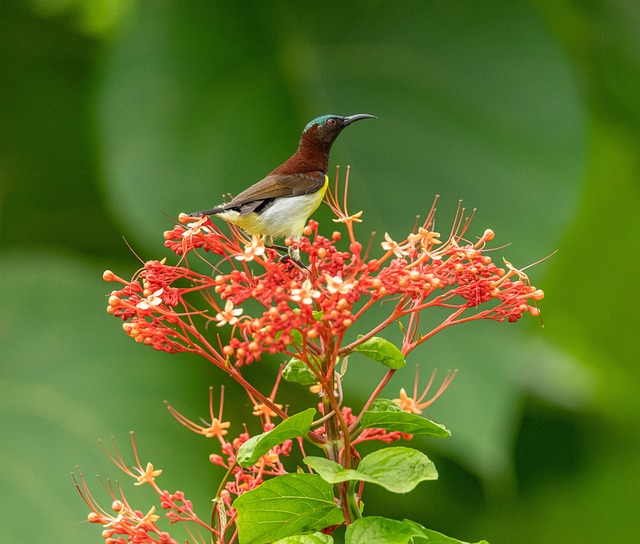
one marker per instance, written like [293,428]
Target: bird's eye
[331,122]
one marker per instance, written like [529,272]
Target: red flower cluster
[306,311]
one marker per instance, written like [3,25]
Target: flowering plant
[308,316]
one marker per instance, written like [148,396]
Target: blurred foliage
[113,112]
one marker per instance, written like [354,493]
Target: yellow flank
[285,217]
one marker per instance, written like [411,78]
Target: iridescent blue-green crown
[318,121]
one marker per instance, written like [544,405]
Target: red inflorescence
[303,310]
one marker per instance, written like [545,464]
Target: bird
[279,205]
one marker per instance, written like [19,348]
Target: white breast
[283,218]
[288,216]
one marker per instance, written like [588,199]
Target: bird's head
[326,128]
[315,144]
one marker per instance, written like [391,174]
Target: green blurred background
[114,113]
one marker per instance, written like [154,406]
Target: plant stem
[338,445]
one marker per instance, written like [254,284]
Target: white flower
[305,294]
[229,315]
[426,238]
[151,301]
[391,245]
[252,250]
[194,227]
[355,218]
[336,285]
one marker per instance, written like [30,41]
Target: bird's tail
[212,211]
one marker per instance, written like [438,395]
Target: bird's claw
[293,262]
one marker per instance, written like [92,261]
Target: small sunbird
[279,205]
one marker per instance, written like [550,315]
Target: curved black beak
[352,118]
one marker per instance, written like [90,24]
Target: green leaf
[434,537]
[383,351]
[315,538]
[399,420]
[285,506]
[334,473]
[397,469]
[298,371]
[379,530]
[257,446]
[384,405]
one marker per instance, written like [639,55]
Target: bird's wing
[280,186]
[259,195]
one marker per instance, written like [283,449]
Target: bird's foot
[290,255]
[293,262]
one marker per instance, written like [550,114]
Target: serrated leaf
[315,538]
[257,446]
[403,422]
[298,371]
[383,351]
[286,506]
[379,530]
[397,469]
